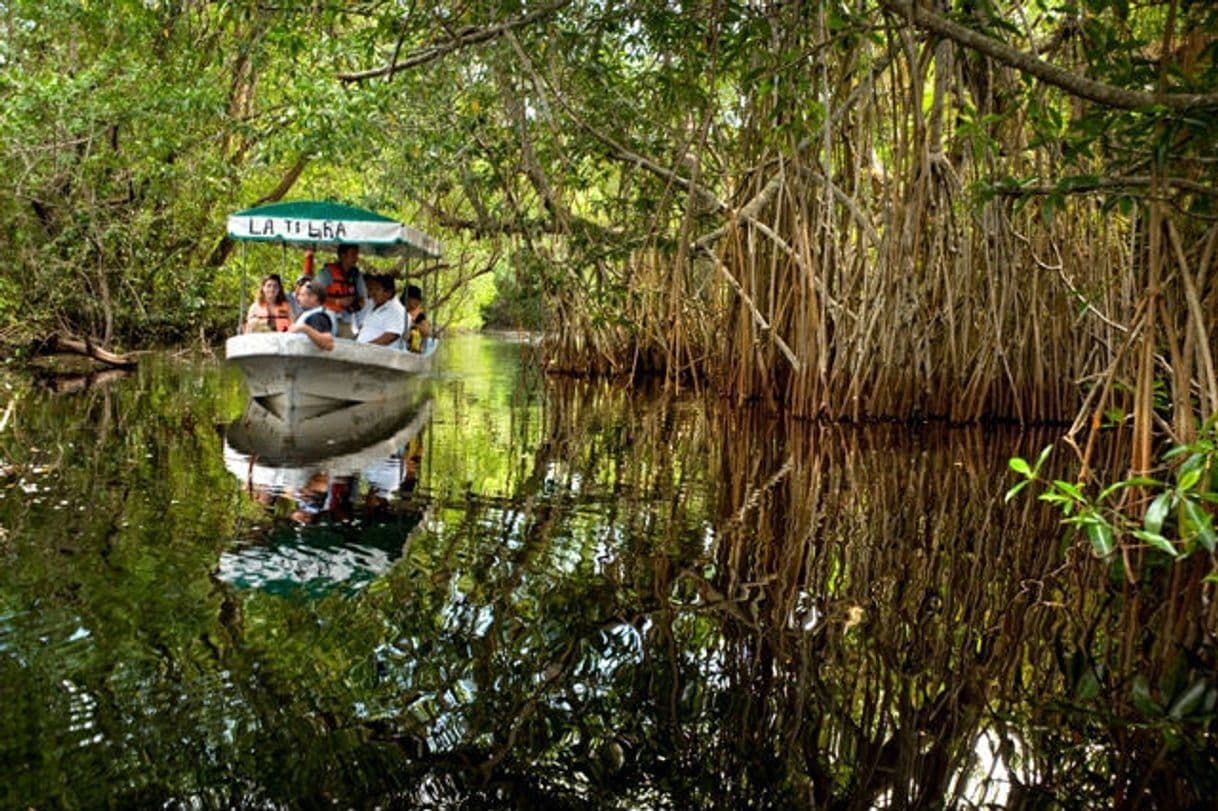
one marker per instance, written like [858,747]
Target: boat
[294,379]
[285,371]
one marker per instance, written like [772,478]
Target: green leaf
[1141,697]
[1157,512]
[1088,686]
[1157,541]
[1136,481]
[1201,523]
[1186,703]
[1212,577]
[1070,489]
[1194,462]
[1188,480]
[1048,207]
[1020,466]
[1044,454]
[1100,535]
[1014,491]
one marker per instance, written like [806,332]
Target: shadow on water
[577,596]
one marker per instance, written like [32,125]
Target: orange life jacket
[341,284]
[276,316]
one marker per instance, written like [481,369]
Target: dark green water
[545,593]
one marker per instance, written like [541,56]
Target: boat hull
[293,378]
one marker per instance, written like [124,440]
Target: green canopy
[317,224]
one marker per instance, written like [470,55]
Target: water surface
[532,592]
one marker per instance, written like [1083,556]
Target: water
[549,593]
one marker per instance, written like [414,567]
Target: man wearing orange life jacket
[345,290]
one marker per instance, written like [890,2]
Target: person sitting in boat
[345,289]
[419,328]
[294,298]
[385,318]
[316,322]
[271,311]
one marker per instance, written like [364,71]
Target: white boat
[286,372]
[294,379]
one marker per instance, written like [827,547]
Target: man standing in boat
[345,289]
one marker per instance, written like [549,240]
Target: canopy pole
[241,293]
[431,295]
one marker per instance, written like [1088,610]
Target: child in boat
[419,328]
[294,298]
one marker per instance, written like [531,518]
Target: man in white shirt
[385,319]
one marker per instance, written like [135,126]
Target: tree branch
[465,38]
[1072,83]
[225,246]
[1103,183]
[520,224]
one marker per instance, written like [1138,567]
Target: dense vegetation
[850,209]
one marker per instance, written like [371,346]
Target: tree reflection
[617,599]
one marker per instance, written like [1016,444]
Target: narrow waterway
[517,591]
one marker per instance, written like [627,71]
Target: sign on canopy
[311,225]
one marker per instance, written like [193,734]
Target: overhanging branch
[1104,184]
[463,39]
[1072,83]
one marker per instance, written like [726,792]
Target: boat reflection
[338,490]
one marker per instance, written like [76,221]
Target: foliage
[1155,535]
[518,301]
[662,162]
[134,128]
[1172,517]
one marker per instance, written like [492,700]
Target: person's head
[381,288]
[414,296]
[348,255]
[271,290]
[310,294]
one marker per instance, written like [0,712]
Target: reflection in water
[346,520]
[617,599]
